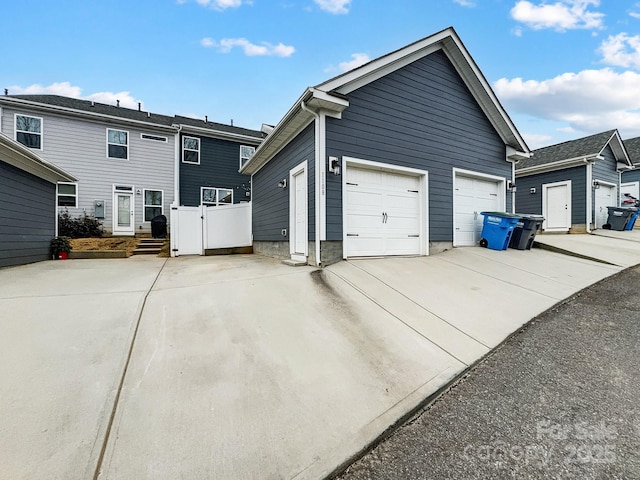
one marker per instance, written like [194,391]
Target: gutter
[549,167]
[318,161]
[219,133]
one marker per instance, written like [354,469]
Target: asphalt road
[559,400]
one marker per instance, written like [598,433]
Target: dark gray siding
[270,203]
[631,176]
[421,116]
[605,170]
[219,164]
[27,216]
[526,202]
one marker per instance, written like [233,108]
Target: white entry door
[123,211]
[298,213]
[556,206]
[472,196]
[605,196]
[382,213]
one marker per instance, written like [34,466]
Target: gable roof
[111,113]
[87,109]
[633,149]
[574,152]
[331,95]
[25,159]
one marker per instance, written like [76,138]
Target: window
[117,144]
[29,131]
[157,138]
[152,204]
[68,195]
[216,196]
[191,150]
[246,153]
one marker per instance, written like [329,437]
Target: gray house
[631,178]
[28,219]
[396,157]
[572,183]
[123,159]
[210,159]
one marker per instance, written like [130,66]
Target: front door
[123,211]
[298,216]
[605,196]
[557,206]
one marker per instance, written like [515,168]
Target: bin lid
[500,214]
[530,216]
[622,209]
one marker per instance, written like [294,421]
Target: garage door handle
[413,236]
[352,235]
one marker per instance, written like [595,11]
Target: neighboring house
[572,183]
[123,159]
[210,159]
[631,178]
[28,220]
[396,157]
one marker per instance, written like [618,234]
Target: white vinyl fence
[196,229]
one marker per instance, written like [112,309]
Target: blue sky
[562,68]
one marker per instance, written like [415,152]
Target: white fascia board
[618,148]
[21,157]
[550,167]
[207,132]
[14,102]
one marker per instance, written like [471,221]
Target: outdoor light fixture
[282,183]
[511,186]
[596,184]
[334,165]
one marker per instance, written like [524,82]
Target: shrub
[84,226]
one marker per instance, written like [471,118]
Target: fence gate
[196,229]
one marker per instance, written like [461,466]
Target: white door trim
[298,170]
[502,187]
[424,196]
[545,187]
[123,190]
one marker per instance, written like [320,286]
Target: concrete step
[146,251]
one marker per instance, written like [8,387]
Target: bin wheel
[484,243]
[606,226]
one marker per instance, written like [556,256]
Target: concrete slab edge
[424,405]
[544,246]
[90,254]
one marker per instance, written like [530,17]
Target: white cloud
[587,101]
[334,6]
[465,3]
[357,59]
[220,4]
[65,89]
[621,50]
[250,49]
[536,140]
[561,15]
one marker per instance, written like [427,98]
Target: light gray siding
[271,204]
[526,202]
[27,216]
[421,116]
[79,146]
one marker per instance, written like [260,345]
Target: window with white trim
[153,204]
[216,196]
[67,194]
[191,150]
[29,131]
[246,152]
[117,144]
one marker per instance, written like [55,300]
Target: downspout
[589,194]
[513,182]
[304,107]
[176,168]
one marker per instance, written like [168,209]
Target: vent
[155,138]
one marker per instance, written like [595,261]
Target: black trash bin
[525,232]
[159,227]
[618,218]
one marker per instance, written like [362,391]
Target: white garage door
[472,196]
[382,213]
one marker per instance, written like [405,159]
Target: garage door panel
[383,213]
[472,196]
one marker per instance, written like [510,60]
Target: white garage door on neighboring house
[383,212]
[632,188]
[473,195]
[605,196]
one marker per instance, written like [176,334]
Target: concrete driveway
[243,367]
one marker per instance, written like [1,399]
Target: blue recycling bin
[497,229]
[632,220]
